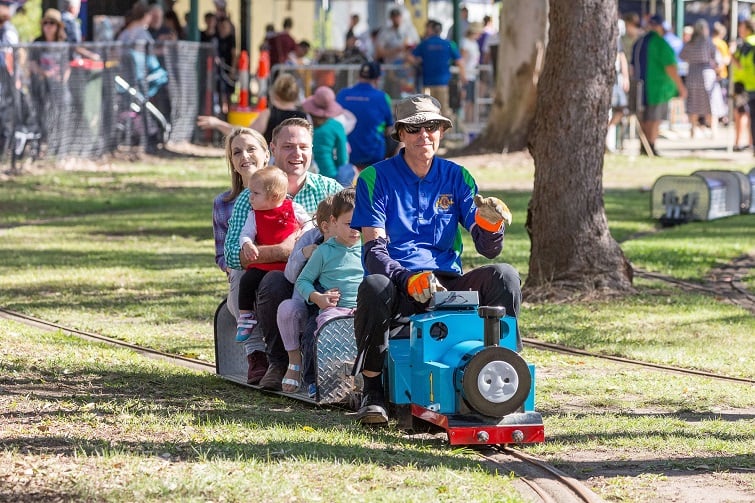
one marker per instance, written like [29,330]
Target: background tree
[521,49]
[571,247]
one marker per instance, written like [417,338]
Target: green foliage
[27,21]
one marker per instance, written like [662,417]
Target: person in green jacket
[654,63]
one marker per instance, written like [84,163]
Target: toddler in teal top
[336,265]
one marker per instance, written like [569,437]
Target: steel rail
[549,346]
[565,482]
[148,352]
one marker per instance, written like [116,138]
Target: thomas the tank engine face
[495,381]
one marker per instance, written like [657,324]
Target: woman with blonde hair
[246,151]
[48,61]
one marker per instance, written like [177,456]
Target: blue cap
[370,70]
[656,19]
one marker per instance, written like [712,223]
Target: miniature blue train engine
[459,370]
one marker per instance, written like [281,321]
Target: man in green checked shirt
[292,148]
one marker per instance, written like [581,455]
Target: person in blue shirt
[372,109]
[410,209]
[436,56]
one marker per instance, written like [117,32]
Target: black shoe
[372,412]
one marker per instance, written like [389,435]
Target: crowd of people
[353,126]
[376,250]
[430,56]
[49,80]
[660,74]
[351,129]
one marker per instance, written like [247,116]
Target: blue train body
[424,368]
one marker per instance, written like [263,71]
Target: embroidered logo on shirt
[444,202]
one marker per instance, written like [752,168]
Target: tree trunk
[521,47]
[571,247]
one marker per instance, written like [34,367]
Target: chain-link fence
[88,100]
[61,100]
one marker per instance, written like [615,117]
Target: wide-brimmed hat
[417,109]
[322,103]
[53,15]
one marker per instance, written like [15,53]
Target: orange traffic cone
[242,114]
[263,72]
[244,80]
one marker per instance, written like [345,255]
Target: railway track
[669,368]
[192,363]
[536,479]
[724,282]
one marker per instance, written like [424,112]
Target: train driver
[409,208]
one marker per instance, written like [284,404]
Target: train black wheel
[496,381]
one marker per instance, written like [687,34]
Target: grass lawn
[127,251]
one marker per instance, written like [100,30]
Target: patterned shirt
[221,213]
[315,189]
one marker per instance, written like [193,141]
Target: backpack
[149,70]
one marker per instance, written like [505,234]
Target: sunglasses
[48,23]
[430,127]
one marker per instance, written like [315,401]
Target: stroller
[139,121]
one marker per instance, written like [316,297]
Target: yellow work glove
[491,213]
[422,286]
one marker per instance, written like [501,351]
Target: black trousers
[381,306]
[273,289]
[248,286]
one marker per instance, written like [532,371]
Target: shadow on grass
[150,297]
[27,204]
[162,400]
[136,258]
[667,466]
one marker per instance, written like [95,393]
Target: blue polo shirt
[437,55]
[421,216]
[372,108]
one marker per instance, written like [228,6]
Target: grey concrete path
[676,142]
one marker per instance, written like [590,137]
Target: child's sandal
[293,383]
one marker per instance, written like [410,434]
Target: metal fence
[399,81]
[58,100]
[88,100]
